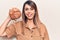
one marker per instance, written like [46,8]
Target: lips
[29,15]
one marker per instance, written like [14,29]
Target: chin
[30,18]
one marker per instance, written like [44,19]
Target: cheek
[26,13]
[33,12]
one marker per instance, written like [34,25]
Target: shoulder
[18,23]
[18,27]
[15,25]
[43,28]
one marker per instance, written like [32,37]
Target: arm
[46,37]
[4,31]
[3,27]
[44,33]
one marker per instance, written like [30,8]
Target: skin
[29,12]
[3,26]
[15,14]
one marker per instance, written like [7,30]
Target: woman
[30,28]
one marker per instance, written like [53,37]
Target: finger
[15,9]
[10,11]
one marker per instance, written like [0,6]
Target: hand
[14,13]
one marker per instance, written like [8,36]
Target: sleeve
[10,31]
[44,33]
[46,36]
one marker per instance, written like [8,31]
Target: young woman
[30,28]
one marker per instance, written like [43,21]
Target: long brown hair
[36,17]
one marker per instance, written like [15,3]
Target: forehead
[28,6]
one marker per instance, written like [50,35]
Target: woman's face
[29,11]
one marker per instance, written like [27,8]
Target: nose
[29,11]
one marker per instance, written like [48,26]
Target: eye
[26,9]
[32,9]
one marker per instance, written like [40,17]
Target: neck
[30,24]
[30,21]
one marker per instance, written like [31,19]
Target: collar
[31,28]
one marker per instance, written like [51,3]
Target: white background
[49,13]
